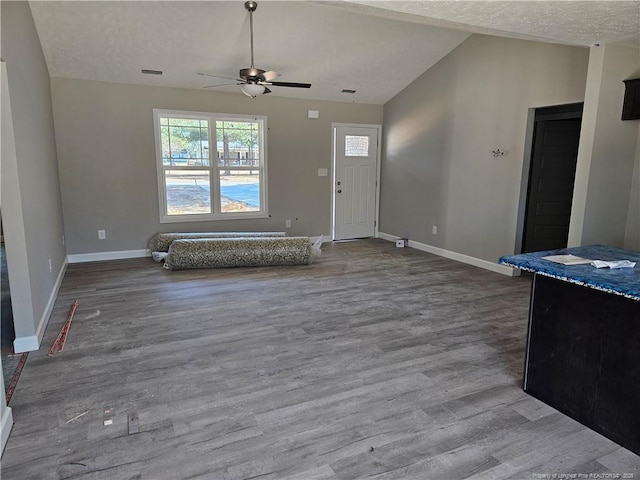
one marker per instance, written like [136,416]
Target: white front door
[354,182]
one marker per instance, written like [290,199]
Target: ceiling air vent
[347,90]
[151,72]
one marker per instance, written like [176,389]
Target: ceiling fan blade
[290,84]
[219,76]
[266,90]
[270,75]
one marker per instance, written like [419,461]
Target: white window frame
[213,168]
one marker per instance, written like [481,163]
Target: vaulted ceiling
[374,47]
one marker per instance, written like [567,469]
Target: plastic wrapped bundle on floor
[162,241]
[240,252]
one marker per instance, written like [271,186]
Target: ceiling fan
[255,81]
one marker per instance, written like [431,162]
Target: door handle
[339,191]
[339,183]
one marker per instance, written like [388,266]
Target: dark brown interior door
[551,179]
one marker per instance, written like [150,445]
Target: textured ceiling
[570,22]
[305,42]
[376,48]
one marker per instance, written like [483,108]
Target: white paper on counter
[613,264]
[567,259]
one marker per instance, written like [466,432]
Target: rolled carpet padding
[240,252]
[162,241]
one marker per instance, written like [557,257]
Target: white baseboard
[100,256]
[389,238]
[44,320]
[6,423]
[459,257]
[26,344]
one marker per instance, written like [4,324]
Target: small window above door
[356,146]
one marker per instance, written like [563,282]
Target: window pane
[166,150]
[237,143]
[188,192]
[186,145]
[239,191]
[185,142]
[201,148]
[186,122]
[356,146]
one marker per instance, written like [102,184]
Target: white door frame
[334,126]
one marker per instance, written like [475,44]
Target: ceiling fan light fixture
[252,89]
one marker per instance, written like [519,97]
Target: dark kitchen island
[583,342]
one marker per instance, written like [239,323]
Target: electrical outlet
[434,230]
[50,266]
[287,223]
[102,234]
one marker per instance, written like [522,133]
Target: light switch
[323,172]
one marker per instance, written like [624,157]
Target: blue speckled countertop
[623,281]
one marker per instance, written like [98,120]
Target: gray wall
[603,200]
[632,235]
[107,160]
[437,166]
[34,236]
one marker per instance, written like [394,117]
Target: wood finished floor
[374,362]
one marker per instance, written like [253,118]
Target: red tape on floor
[61,339]
[16,376]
